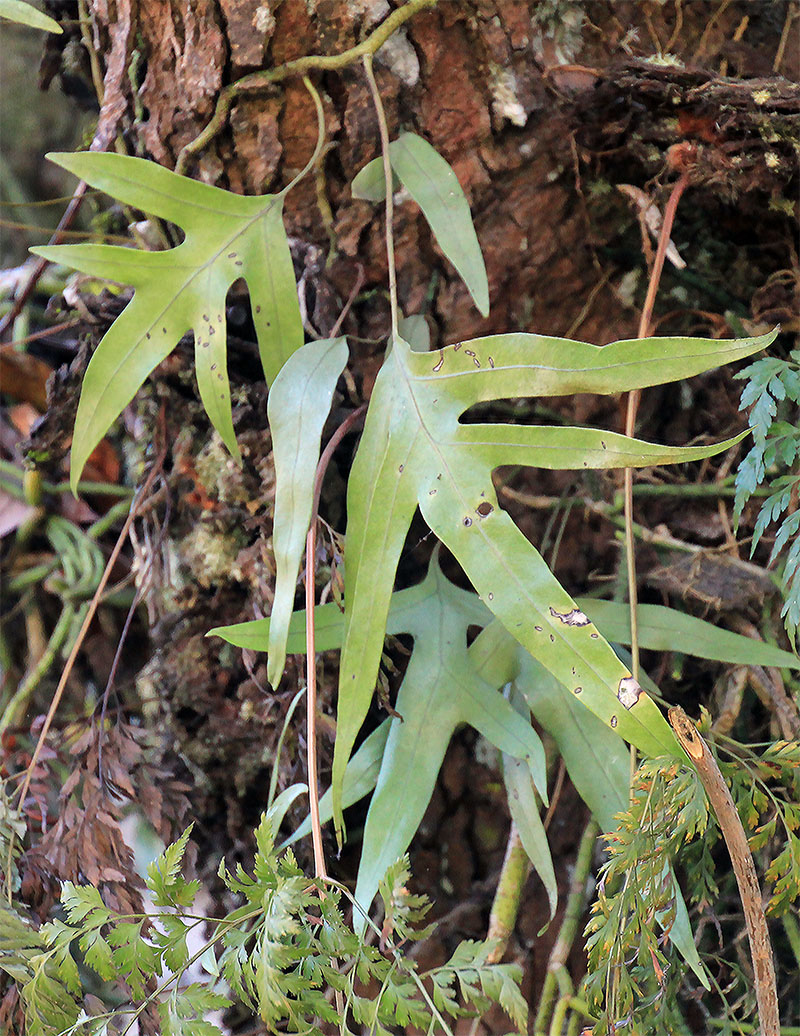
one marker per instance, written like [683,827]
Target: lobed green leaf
[227,236]
[414,452]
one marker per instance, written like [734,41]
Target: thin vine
[298,67]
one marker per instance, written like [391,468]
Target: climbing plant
[299,950]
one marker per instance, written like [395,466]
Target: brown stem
[54,329]
[743,867]
[630,418]
[311,660]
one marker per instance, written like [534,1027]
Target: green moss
[221,476]
[211,553]
[786,206]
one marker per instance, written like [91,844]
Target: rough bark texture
[542,109]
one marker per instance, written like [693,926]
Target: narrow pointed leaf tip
[435,188]
[182,289]
[25,14]
[298,406]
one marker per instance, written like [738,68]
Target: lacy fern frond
[772,385]
[281,954]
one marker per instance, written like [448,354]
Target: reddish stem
[633,406]
[311,660]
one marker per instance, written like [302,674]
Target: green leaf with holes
[227,236]
[435,188]
[415,452]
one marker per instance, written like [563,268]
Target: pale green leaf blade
[259,252]
[369,184]
[25,14]
[254,635]
[273,291]
[667,629]
[439,603]
[298,406]
[524,808]
[211,367]
[567,448]
[154,189]
[682,937]
[513,365]
[435,188]
[381,499]
[227,236]
[485,709]
[360,778]
[280,807]
[416,332]
[516,584]
[495,654]
[596,759]
[411,762]
[114,262]
[127,354]
[329,624]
